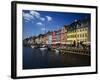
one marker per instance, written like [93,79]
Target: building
[58,35]
[54,39]
[83,32]
[49,38]
[78,32]
[37,40]
[45,39]
[63,36]
[71,34]
[57,38]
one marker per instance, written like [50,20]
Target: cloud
[26,21]
[27,16]
[42,19]
[49,18]
[32,15]
[39,23]
[35,14]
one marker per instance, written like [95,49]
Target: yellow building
[37,40]
[45,39]
[78,32]
[82,34]
[41,39]
[71,34]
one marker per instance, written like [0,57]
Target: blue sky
[39,22]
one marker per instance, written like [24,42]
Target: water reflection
[43,58]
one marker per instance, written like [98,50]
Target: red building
[63,37]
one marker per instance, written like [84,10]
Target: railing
[74,51]
[77,51]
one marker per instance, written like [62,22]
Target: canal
[36,58]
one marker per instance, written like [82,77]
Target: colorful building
[54,39]
[49,39]
[71,34]
[45,39]
[83,32]
[78,32]
[63,37]
[58,35]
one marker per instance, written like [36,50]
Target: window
[80,35]
[85,34]
[77,35]
[85,28]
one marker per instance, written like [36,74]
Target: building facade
[83,32]
[78,32]
[58,37]
[71,34]
[54,39]
[49,36]
[63,37]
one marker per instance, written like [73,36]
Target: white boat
[57,51]
[43,48]
[32,47]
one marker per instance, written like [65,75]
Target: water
[36,58]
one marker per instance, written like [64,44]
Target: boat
[57,51]
[43,47]
[32,47]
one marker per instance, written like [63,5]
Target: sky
[40,22]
